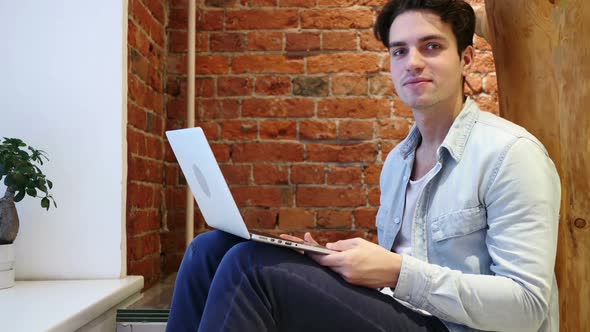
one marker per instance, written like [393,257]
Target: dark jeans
[228,284]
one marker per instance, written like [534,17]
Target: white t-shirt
[403,241]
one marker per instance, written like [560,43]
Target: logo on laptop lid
[201,180]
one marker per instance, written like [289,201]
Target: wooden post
[542,54]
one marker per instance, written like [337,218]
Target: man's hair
[457,13]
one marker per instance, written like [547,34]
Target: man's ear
[467,58]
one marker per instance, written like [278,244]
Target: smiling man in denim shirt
[467,224]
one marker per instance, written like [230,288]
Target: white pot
[6,265]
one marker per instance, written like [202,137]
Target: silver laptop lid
[206,181]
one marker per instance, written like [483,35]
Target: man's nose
[415,61]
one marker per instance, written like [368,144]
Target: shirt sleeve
[522,204]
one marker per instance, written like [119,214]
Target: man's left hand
[362,263]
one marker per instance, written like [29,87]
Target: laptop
[212,193]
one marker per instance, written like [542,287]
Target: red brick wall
[146,120]
[296,100]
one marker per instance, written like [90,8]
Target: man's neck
[434,123]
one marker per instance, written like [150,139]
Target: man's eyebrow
[422,39]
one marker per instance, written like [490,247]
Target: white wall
[63,90]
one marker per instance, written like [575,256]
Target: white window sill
[63,305]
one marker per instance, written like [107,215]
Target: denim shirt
[484,235]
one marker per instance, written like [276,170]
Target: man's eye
[433,46]
[398,52]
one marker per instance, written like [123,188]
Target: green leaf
[50,184]
[41,185]
[45,203]
[3,170]
[8,181]
[32,192]
[19,196]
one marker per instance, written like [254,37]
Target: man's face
[425,67]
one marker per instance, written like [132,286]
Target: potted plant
[22,176]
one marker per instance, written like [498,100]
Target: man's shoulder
[492,128]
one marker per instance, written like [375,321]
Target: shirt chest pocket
[458,223]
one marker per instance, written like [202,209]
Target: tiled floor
[158,296]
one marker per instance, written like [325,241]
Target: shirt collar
[456,138]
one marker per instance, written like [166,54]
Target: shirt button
[396,220]
[407,297]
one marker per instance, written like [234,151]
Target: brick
[148,23]
[329,197]
[145,97]
[336,19]
[362,152]
[314,129]
[267,151]
[355,129]
[310,86]
[354,108]
[381,85]
[140,222]
[235,86]
[374,196]
[261,19]
[474,84]
[271,174]
[345,175]
[142,246]
[239,130]
[349,85]
[334,219]
[148,267]
[256,218]
[365,218]
[481,44]
[228,42]
[372,174]
[483,63]
[278,108]
[208,109]
[259,3]
[142,169]
[136,117]
[236,174]
[221,152]
[175,197]
[294,218]
[265,41]
[339,40]
[273,85]
[490,84]
[207,20]
[138,64]
[308,174]
[204,87]
[266,63]
[370,43]
[262,196]
[303,41]
[139,39]
[386,147]
[343,62]
[141,195]
[297,3]
[171,174]
[401,109]
[349,3]
[278,129]
[211,65]
[488,103]
[221,3]
[393,128]
[177,41]
[156,7]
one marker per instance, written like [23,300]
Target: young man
[467,224]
